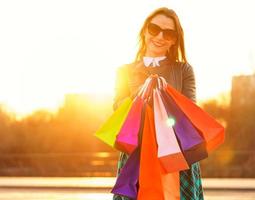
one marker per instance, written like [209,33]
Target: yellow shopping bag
[110,129]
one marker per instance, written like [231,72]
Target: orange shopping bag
[171,186]
[154,183]
[150,184]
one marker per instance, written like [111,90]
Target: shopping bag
[211,130]
[109,130]
[150,183]
[191,142]
[127,138]
[127,181]
[169,151]
[171,186]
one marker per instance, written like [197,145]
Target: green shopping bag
[110,129]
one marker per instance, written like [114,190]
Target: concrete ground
[51,188]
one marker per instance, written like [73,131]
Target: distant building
[243,91]
[242,114]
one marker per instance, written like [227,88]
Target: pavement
[102,183]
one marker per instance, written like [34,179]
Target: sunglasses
[154,30]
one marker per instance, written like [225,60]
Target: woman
[161,52]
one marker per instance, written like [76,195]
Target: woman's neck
[151,54]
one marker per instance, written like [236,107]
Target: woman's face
[157,45]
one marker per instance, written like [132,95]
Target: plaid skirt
[190,181]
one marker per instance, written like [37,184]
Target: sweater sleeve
[189,82]
[121,86]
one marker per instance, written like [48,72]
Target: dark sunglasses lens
[153,29]
[169,34]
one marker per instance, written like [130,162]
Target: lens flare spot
[170,121]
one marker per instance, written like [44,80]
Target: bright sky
[53,47]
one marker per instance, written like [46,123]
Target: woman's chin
[157,51]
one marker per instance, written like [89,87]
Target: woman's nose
[160,35]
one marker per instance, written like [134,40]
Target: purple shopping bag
[209,128]
[191,142]
[127,181]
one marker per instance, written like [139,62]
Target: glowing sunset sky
[51,48]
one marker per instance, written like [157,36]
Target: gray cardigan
[131,76]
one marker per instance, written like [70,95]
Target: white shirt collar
[154,61]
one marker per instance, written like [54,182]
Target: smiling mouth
[157,44]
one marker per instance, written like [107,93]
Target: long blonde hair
[176,53]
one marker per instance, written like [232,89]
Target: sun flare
[45,56]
